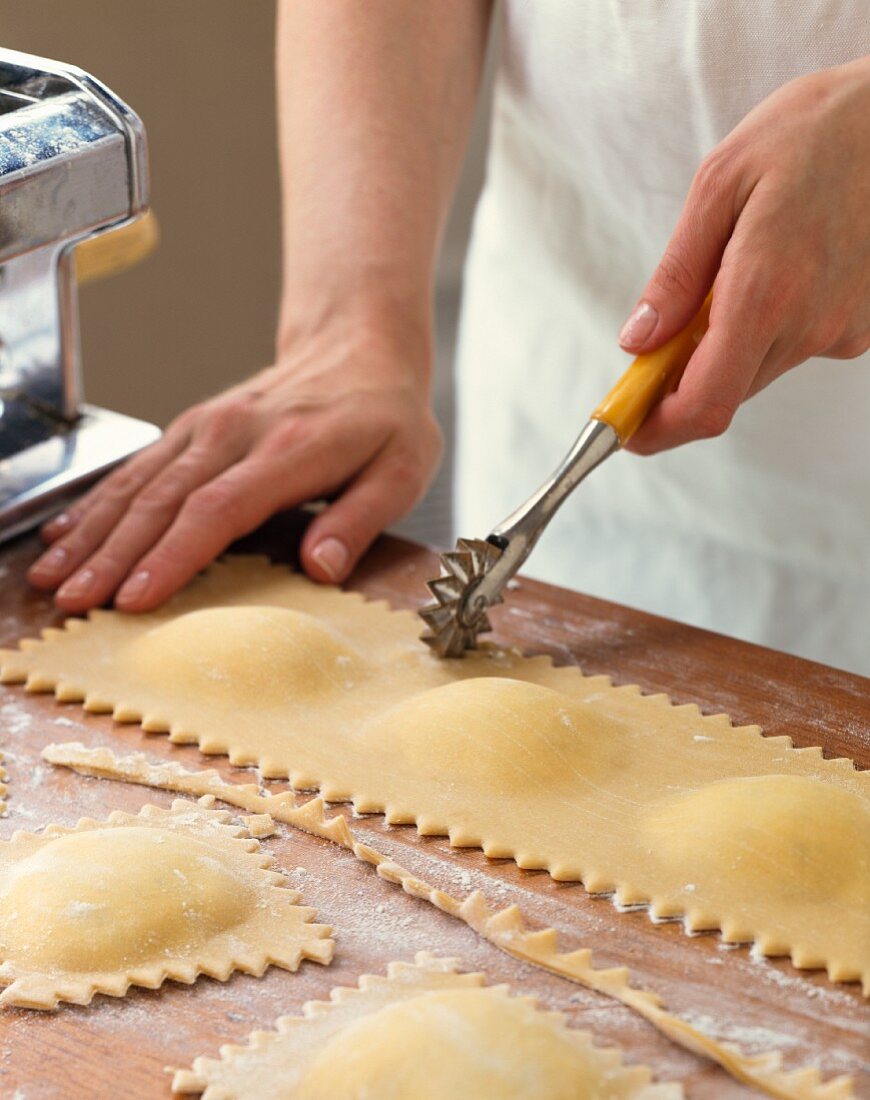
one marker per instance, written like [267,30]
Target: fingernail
[79,584]
[52,562]
[331,555]
[59,523]
[639,327]
[135,587]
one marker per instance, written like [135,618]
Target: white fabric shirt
[603,112]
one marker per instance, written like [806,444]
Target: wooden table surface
[118,1048]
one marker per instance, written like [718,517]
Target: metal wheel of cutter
[474,575]
[453,626]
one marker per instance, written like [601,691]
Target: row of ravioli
[656,804]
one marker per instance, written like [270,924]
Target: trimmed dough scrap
[134,900]
[424,1032]
[594,783]
[505,928]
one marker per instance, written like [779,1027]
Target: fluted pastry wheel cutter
[474,575]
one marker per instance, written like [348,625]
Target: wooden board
[119,1047]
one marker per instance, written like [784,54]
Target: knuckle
[198,465]
[288,434]
[806,349]
[673,274]
[408,476]
[830,332]
[782,296]
[122,485]
[163,496]
[710,418]
[851,347]
[216,500]
[722,180]
[125,481]
[823,337]
[820,339]
[712,178]
[405,474]
[81,542]
[184,420]
[225,418]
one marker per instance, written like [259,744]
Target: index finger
[720,374]
[125,480]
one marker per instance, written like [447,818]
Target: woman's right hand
[342,414]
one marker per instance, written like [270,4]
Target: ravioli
[790,836]
[559,771]
[781,860]
[517,736]
[134,900]
[244,655]
[483,752]
[422,1033]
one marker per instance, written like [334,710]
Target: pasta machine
[73,172]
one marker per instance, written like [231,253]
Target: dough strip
[505,929]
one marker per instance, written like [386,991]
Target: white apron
[603,111]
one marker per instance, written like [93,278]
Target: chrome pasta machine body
[73,171]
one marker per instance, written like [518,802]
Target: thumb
[688,267]
[338,537]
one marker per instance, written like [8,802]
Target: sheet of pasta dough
[421,1033]
[560,771]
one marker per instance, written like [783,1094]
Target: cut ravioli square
[423,1032]
[779,860]
[137,899]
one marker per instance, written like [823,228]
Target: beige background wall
[200,313]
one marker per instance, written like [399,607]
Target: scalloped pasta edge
[504,928]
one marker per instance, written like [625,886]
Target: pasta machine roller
[474,575]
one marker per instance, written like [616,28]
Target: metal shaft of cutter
[475,574]
[517,535]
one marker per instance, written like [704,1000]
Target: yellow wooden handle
[650,377]
[117,249]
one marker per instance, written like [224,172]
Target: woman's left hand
[781,211]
